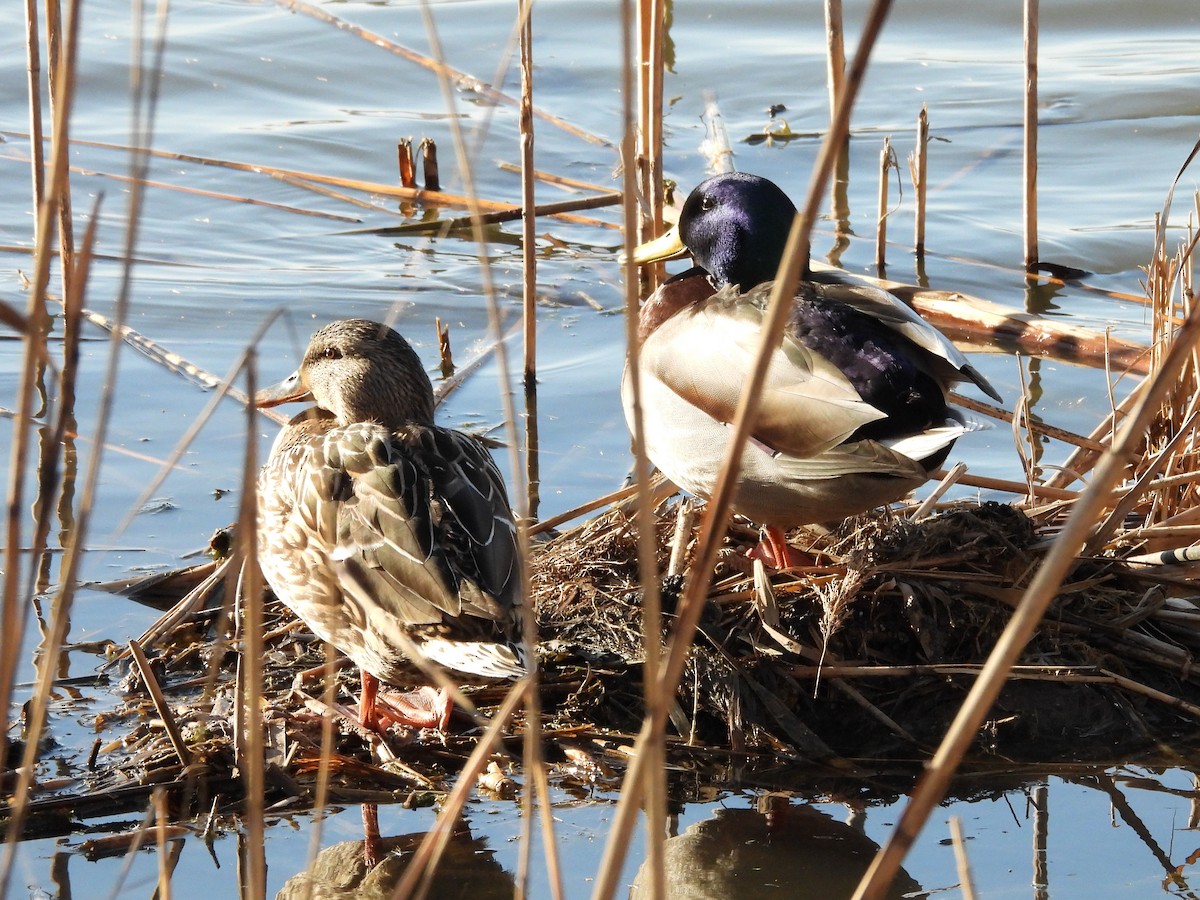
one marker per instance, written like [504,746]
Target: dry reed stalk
[61,89]
[496,216]
[1040,491]
[718,510]
[12,619]
[637,30]
[232,198]
[685,522]
[391,191]
[572,185]
[529,263]
[887,162]
[918,164]
[533,718]
[835,66]
[835,54]
[1024,439]
[160,703]
[446,74]
[144,104]
[650,31]
[962,861]
[950,479]
[1003,415]
[1150,468]
[1030,159]
[1042,589]
[52,483]
[532,758]
[250,593]
[661,488]
[528,201]
[33,68]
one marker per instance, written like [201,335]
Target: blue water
[260,85]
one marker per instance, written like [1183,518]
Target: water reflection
[468,869]
[781,849]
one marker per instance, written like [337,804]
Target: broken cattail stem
[919,165]
[685,521]
[404,159]
[429,165]
[445,357]
[887,161]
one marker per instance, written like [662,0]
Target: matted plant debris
[862,656]
[868,652]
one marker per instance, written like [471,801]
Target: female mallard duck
[853,412]
[382,531]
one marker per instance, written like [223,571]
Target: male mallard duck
[853,412]
[381,530]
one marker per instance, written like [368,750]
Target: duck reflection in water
[371,869]
[786,850]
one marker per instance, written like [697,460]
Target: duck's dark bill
[288,390]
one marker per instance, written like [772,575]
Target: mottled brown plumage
[379,528]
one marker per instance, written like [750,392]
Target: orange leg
[367,716]
[776,552]
[426,707]
[371,840]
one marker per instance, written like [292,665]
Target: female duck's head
[359,371]
[736,227]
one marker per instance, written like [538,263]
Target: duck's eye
[331,353]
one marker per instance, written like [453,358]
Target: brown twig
[160,703]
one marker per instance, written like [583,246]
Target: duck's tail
[932,446]
[487,659]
